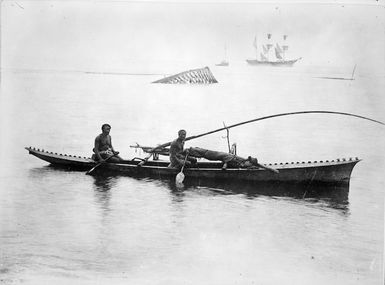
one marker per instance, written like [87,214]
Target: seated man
[178,154]
[228,159]
[103,147]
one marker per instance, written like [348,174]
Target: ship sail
[284,46]
[277,54]
[265,50]
[269,45]
[278,48]
[263,58]
[255,43]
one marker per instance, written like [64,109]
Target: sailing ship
[270,54]
[224,62]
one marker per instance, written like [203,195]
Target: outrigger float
[318,172]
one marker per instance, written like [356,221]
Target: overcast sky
[101,35]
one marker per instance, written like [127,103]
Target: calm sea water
[70,228]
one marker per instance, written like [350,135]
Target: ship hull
[287,63]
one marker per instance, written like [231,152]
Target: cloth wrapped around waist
[103,153]
[106,153]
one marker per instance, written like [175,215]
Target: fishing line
[264,118]
[286,114]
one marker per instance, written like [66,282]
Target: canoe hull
[339,173]
[327,172]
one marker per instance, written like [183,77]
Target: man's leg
[115,159]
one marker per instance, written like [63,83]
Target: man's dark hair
[105,125]
[253,160]
[181,131]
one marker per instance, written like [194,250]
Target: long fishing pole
[264,118]
[281,115]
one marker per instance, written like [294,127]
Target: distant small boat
[269,58]
[225,61]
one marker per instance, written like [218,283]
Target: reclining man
[228,159]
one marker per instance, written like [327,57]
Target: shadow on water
[104,183]
[334,196]
[102,189]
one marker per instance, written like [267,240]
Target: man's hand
[116,152]
[252,167]
[193,160]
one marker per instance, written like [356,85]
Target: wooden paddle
[180,176]
[100,163]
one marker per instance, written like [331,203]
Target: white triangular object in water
[179,178]
[193,76]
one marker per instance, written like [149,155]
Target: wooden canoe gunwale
[328,172]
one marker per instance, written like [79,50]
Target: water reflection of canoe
[319,195]
[330,193]
[330,172]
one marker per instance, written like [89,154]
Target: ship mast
[269,45]
[256,47]
[285,47]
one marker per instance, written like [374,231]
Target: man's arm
[175,153]
[112,148]
[180,156]
[96,149]
[181,152]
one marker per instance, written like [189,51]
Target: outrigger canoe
[336,171]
